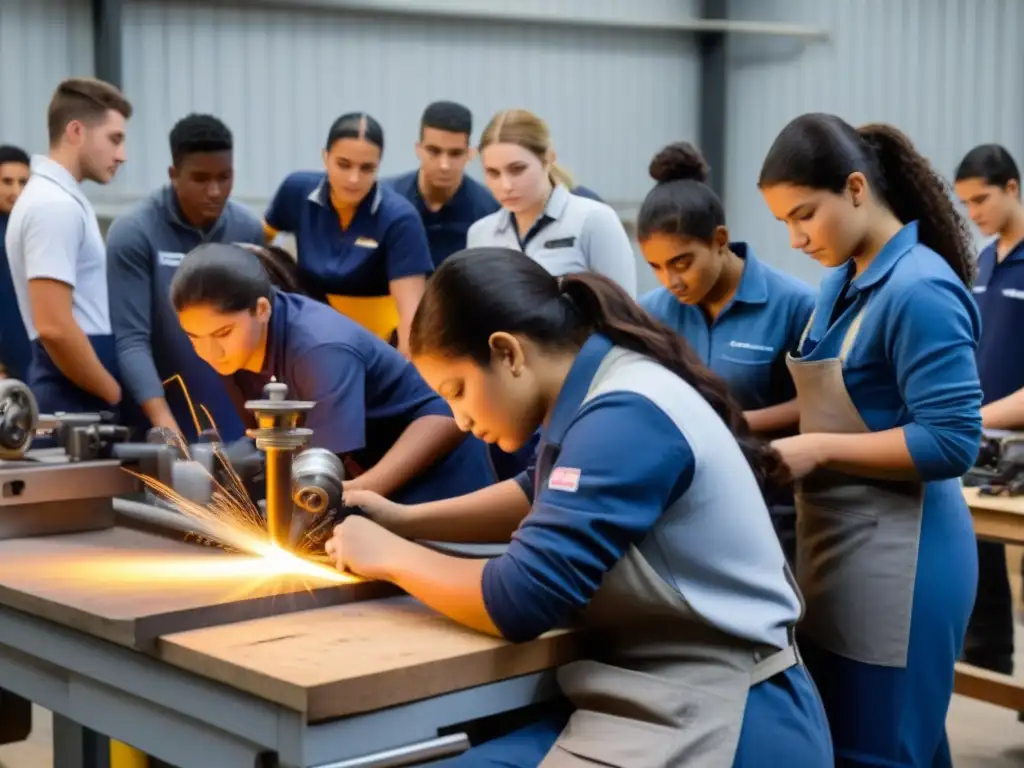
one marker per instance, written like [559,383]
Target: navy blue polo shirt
[999,293]
[447,226]
[366,393]
[385,240]
[15,348]
[747,343]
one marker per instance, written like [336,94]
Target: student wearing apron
[360,244]
[988,184]
[144,248]
[889,401]
[395,436]
[57,254]
[15,348]
[740,315]
[647,524]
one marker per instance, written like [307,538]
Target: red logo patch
[564,479]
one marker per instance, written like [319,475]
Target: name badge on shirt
[169,258]
[564,479]
[366,242]
[562,242]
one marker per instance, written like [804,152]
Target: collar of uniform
[576,386]
[321,195]
[1016,253]
[553,209]
[883,263]
[57,173]
[753,288]
[170,203]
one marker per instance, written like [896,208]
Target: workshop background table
[997,518]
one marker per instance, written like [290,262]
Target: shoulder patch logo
[564,479]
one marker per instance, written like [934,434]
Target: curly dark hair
[480,291]
[820,151]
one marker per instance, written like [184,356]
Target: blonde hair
[523,128]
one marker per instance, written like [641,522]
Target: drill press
[279,436]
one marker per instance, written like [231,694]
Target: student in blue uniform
[988,184]
[446,198]
[741,316]
[889,404]
[144,248]
[395,436]
[645,521]
[360,243]
[15,348]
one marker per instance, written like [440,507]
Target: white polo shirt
[574,234]
[53,234]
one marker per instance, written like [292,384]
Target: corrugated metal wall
[279,77]
[41,43]
[948,72]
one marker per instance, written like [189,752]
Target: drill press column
[279,437]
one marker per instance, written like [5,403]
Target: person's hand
[388,514]
[362,547]
[112,392]
[802,454]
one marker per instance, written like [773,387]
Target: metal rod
[411,754]
[279,495]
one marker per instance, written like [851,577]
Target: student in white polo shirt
[540,216]
[57,255]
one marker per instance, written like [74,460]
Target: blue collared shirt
[912,364]
[448,226]
[999,292]
[385,240]
[748,342]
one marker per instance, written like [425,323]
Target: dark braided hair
[480,291]
[820,151]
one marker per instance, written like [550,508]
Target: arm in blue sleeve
[335,377]
[628,475]
[283,212]
[130,287]
[407,248]
[931,338]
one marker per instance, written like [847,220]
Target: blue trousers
[784,725]
[887,717]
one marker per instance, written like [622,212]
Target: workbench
[342,685]
[997,518]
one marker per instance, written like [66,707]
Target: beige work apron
[857,538]
[660,687]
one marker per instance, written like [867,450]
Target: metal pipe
[279,495]
[410,754]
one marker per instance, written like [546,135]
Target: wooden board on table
[130,587]
[346,660]
[998,518]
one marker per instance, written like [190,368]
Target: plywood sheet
[350,659]
[999,518]
[131,587]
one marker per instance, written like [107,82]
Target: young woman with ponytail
[644,520]
[889,414]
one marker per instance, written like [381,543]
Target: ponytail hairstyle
[681,203]
[355,125]
[820,151]
[481,291]
[232,277]
[523,128]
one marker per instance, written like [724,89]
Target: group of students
[649,444]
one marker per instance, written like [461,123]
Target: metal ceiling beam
[108,40]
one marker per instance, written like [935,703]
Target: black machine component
[999,468]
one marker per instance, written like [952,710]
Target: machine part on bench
[999,468]
[279,437]
[19,415]
[317,477]
[411,754]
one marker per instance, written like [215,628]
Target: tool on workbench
[279,436]
[999,468]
